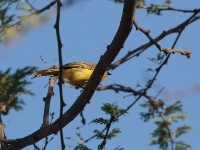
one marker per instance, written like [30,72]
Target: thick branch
[112,51]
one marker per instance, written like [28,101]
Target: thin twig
[102,145]
[178,10]
[169,131]
[136,52]
[82,118]
[166,8]
[47,100]
[62,103]
[46,143]
[45,7]
[167,51]
[27,1]
[158,69]
[87,140]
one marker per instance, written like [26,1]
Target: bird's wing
[84,65]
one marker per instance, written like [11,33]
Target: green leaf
[99,134]
[182,116]
[174,108]
[12,86]
[113,133]
[182,130]
[81,147]
[180,145]
[36,147]
[100,121]
[112,109]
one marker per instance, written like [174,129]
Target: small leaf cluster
[159,58]
[152,111]
[12,86]
[114,112]
[81,147]
[8,25]
[164,136]
[14,22]
[109,136]
[5,6]
[156,9]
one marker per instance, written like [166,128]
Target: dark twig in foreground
[46,7]
[62,103]
[82,118]
[102,145]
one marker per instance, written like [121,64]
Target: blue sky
[86,29]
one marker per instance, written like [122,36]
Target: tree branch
[112,51]
[2,134]
[62,103]
[167,51]
[142,48]
[47,100]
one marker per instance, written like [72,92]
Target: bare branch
[142,48]
[167,51]
[47,100]
[62,103]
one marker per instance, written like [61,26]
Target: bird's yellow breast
[79,76]
[76,73]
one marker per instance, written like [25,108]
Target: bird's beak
[109,73]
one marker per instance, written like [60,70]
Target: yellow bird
[77,73]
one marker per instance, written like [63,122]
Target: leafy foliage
[12,86]
[12,23]
[114,112]
[112,109]
[182,130]
[182,145]
[81,147]
[100,121]
[8,24]
[177,107]
[163,135]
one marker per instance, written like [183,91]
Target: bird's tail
[50,71]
